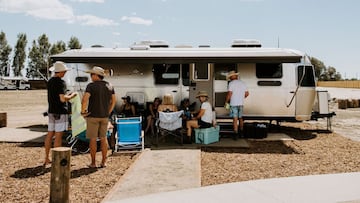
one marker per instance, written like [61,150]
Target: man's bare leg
[93,149]
[104,149]
[47,144]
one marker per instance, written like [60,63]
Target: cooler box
[207,135]
[255,130]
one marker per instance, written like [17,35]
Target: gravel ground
[313,151]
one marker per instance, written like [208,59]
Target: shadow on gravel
[30,172]
[294,132]
[36,128]
[256,147]
[41,170]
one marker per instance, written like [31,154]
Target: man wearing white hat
[57,112]
[97,104]
[237,92]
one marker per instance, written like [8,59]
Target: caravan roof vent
[154,43]
[204,46]
[139,47]
[246,43]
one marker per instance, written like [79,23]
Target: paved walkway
[159,171]
[336,188]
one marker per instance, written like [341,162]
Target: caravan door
[201,80]
[306,93]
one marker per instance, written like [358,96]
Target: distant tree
[333,74]
[5,51]
[319,66]
[39,57]
[74,43]
[19,54]
[323,73]
[34,57]
[58,48]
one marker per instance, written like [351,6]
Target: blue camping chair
[129,136]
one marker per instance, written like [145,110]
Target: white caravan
[14,83]
[281,81]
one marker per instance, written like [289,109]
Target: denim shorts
[236,111]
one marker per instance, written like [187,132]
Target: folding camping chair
[169,123]
[129,136]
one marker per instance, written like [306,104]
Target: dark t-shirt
[100,97]
[56,86]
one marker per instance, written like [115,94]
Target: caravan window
[201,71]
[166,73]
[222,69]
[269,70]
[81,79]
[308,73]
[185,74]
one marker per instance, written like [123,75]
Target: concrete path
[159,171]
[336,188]
[23,135]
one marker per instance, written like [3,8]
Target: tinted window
[269,70]
[186,74]
[81,79]
[269,83]
[166,73]
[201,71]
[222,69]
[307,76]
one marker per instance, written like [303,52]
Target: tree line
[41,50]
[38,55]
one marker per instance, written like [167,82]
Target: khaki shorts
[96,127]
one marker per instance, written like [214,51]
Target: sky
[326,29]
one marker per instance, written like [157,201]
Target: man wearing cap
[57,111]
[204,119]
[237,92]
[97,104]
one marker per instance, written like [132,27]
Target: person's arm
[228,96]
[201,113]
[64,98]
[133,109]
[246,94]
[112,103]
[84,104]
[151,109]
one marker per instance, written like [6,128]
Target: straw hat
[231,73]
[58,67]
[97,70]
[202,94]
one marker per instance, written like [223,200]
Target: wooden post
[3,120]
[60,175]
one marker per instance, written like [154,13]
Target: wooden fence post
[3,119]
[60,175]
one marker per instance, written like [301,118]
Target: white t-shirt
[208,115]
[238,89]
